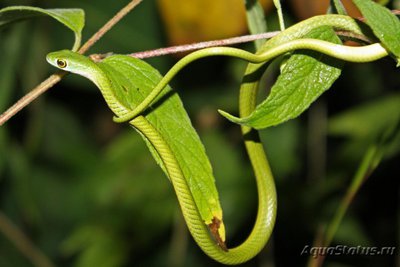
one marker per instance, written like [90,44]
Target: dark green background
[88,193]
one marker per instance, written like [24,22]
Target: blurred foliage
[88,193]
[185,23]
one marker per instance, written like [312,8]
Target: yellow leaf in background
[189,21]
[308,8]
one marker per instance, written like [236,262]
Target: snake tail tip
[117,119]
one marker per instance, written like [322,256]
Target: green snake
[289,40]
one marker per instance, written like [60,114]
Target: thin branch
[23,243]
[114,20]
[196,46]
[222,42]
[190,47]
[55,78]
[32,95]
[354,36]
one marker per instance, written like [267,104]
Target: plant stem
[114,20]
[222,42]
[369,162]
[55,78]
[32,95]
[196,46]
[22,243]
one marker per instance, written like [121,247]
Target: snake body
[288,40]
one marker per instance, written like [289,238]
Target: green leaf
[383,23]
[383,2]
[304,78]
[337,7]
[74,19]
[134,79]
[375,122]
[102,247]
[368,120]
[277,4]
[255,19]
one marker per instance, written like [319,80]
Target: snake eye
[61,63]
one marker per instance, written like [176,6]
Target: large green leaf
[384,24]
[304,78]
[132,81]
[129,80]
[74,19]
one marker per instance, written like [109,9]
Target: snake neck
[106,87]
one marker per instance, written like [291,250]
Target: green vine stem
[370,161]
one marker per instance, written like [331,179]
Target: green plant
[286,101]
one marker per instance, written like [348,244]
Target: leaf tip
[229,116]
[217,230]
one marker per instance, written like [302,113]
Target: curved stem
[108,26]
[201,45]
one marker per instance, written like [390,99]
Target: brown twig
[196,46]
[190,47]
[114,20]
[354,36]
[32,95]
[23,243]
[222,42]
[55,78]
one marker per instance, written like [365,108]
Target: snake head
[72,62]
